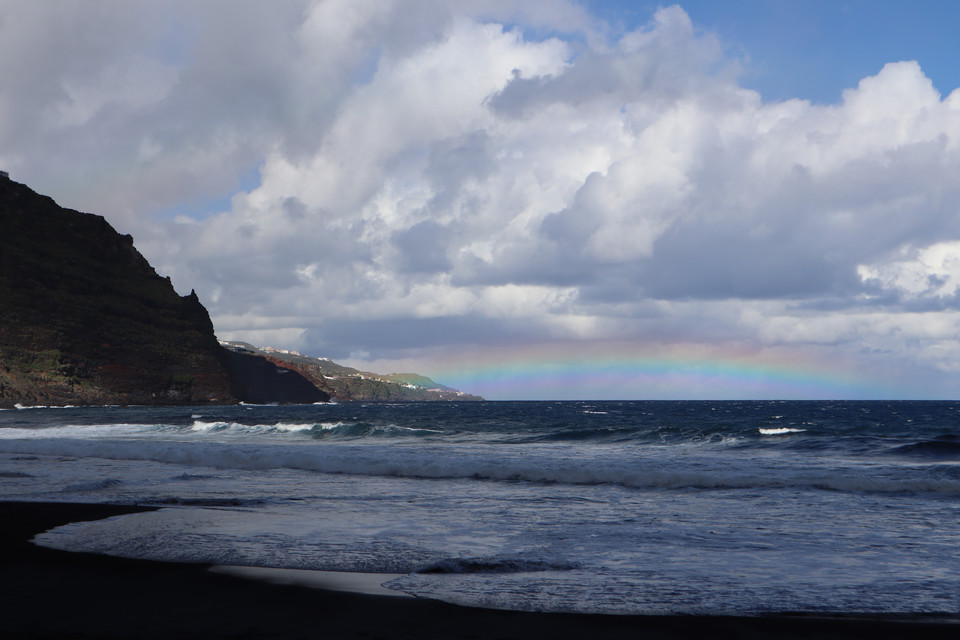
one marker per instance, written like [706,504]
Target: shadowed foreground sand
[55,594]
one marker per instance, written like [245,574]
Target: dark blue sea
[614,507]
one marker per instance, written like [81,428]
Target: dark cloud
[423,248]
[399,336]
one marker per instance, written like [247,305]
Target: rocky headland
[85,320]
[348,384]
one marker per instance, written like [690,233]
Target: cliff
[348,384]
[85,319]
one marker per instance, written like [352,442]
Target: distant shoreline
[52,594]
[20,407]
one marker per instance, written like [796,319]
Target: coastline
[52,594]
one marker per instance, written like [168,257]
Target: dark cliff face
[84,318]
[258,381]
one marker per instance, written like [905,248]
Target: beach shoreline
[48,593]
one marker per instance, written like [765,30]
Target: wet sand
[46,593]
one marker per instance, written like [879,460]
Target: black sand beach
[54,594]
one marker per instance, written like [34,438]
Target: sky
[552,200]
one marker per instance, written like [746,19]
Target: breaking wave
[313,429]
[779,431]
[225,429]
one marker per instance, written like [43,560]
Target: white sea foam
[215,429]
[82,431]
[43,406]
[413,429]
[237,427]
[779,431]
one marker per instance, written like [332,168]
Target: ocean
[739,508]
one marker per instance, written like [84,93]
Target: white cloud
[481,173]
[933,271]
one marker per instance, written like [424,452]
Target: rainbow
[618,371]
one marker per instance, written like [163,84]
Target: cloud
[431,174]
[929,274]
